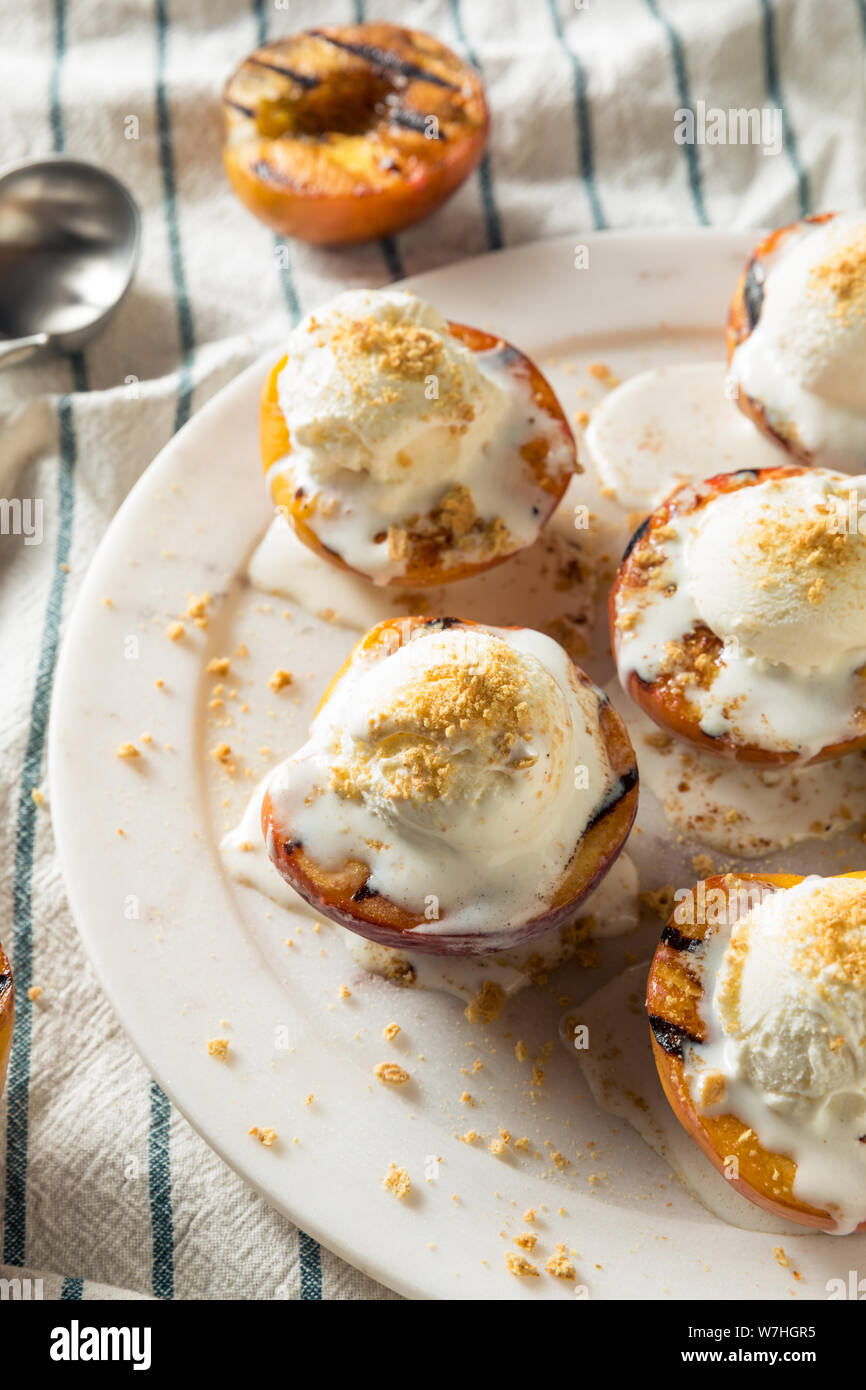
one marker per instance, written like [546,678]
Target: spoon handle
[14,350]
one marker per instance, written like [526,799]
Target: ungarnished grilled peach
[674,995]
[340,135]
[345,896]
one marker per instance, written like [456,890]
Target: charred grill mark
[621,788]
[303,79]
[412,120]
[636,538]
[244,110]
[507,356]
[443,624]
[753,293]
[678,942]
[671,1037]
[386,61]
[263,170]
[365,891]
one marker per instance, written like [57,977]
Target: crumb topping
[841,278]
[397,1180]
[265,1136]
[560,1266]
[454,525]
[486,702]
[391,1073]
[487,1004]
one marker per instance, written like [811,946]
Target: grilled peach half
[674,995]
[662,699]
[340,135]
[7,1014]
[426,562]
[345,895]
[743,317]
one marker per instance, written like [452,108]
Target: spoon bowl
[69,243]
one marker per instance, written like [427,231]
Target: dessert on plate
[407,449]
[7,1014]
[462,789]
[339,135]
[757,1004]
[738,615]
[797,339]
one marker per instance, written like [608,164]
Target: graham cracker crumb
[391,1074]
[218,1047]
[520,1267]
[397,1180]
[560,1266]
[264,1136]
[486,1004]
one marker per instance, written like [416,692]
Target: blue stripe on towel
[393,259]
[159,1182]
[72,1290]
[685,101]
[774,92]
[390,251]
[186,332]
[282,246]
[485,173]
[583,122]
[18,1082]
[311,1266]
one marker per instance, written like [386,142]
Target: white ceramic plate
[185,955]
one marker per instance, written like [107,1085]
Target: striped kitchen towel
[606,113]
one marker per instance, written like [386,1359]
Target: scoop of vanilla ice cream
[780,568]
[804,361]
[463,766]
[791,991]
[813,318]
[450,727]
[377,384]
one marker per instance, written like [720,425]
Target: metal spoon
[69,242]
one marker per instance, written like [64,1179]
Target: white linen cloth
[102,1183]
